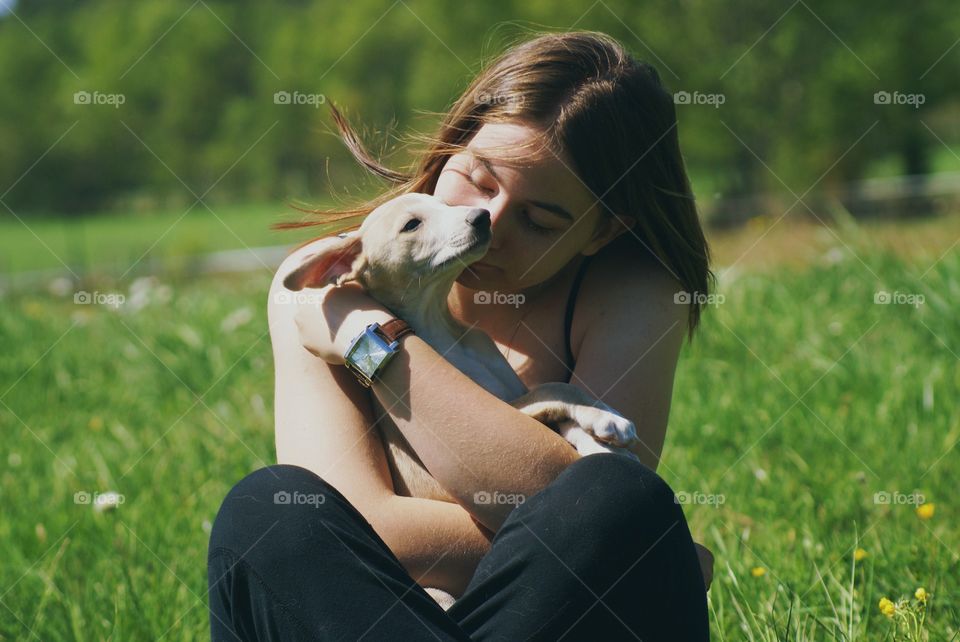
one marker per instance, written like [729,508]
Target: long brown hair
[585,95]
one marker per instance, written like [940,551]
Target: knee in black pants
[288,502]
[615,533]
[267,526]
[290,558]
[611,499]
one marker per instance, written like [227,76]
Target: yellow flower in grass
[887,607]
[859,554]
[758,571]
[925,511]
[921,594]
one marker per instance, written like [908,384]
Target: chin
[470,280]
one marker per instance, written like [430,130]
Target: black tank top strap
[571,301]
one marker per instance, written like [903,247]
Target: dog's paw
[586,444]
[606,425]
[441,597]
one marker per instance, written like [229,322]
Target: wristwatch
[371,350]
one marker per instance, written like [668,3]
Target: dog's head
[405,243]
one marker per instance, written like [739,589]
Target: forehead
[546,176]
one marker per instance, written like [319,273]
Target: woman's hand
[328,318]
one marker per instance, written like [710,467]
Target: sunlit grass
[116,242]
[800,403]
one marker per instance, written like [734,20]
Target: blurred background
[121,118]
[148,147]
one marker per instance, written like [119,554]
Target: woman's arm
[469,440]
[438,543]
[324,424]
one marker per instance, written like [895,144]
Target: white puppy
[407,254]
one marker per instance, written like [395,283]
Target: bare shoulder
[622,291]
[627,342]
[621,287]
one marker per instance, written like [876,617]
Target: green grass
[801,400]
[117,241]
[170,405]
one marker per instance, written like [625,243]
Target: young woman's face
[541,214]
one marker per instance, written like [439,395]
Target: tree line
[133,105]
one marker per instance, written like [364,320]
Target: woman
[572,146]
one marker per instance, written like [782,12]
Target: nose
[479,218]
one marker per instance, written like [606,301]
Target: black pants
[602,553]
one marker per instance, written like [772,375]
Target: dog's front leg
[585,443]
[590,425]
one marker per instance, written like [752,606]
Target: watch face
[367,353]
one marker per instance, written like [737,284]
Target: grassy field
[117,242]
[800,404]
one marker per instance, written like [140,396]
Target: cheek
[541,257]
[529,270]
[529,248]
[529,262]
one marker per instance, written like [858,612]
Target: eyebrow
[550,207]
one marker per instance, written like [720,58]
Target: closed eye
[527,220]
[485,190]
[539,229]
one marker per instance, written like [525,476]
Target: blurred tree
[198,83]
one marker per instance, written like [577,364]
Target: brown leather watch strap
[394,329]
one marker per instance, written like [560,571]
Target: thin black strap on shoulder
[571,300]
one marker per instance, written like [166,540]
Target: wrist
[358,320]
[373,348]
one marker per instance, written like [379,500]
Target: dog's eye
[411,225]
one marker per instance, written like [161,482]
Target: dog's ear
[340,261]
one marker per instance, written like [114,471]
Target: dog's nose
[479,218]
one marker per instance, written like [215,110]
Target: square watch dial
[368,352]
